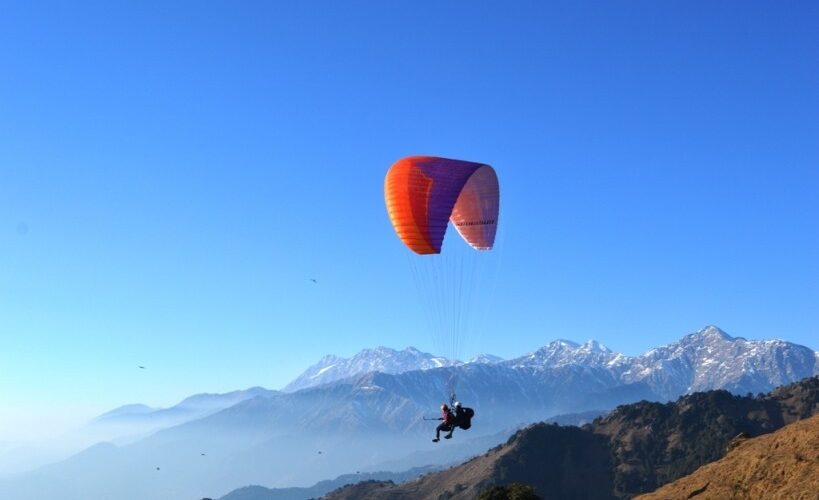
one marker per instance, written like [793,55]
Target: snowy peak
[705,359]
[563,344]
[380,359]
[710,358]
[563,352]
[594,346]
[485,359]
[709,334]
[714,331]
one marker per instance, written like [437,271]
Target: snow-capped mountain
[712,359]
[381,359]
[565,352]
[703,360]
[706,359]
[487,359]
[561,377]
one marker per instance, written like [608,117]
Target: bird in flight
[314,280]
[141,367]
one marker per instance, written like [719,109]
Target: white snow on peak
[564,352]
[379,359]
[486,359]
[323,370]
[711,331]
[594,346]
[705,359]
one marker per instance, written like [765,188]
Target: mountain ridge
[783,464]
[331,368]
[688,357]
[700,359]
[632,450]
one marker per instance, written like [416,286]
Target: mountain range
[359,417]
[381,359]
[706,359]
[130,422]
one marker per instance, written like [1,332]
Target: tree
[514,491]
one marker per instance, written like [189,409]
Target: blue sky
[172,174]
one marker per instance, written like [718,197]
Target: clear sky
[173,173]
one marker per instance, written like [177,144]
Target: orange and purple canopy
[424,193]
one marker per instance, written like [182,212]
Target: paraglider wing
[423,193]
[475,214]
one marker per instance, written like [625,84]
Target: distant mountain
[323,487]
[784,464]
[630,451]
[192,407]
[488,359]
[132,421]
[561,377]
[561,353]
[381,359]
[706,359]
[710,359]
[195,406]
[370,418]
[126,411]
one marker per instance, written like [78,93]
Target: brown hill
[633,450]
[784,464]
[563,462]
[654,444]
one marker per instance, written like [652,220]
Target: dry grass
[784,464]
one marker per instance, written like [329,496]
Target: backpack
[465,420]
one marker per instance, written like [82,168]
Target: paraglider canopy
[424,193]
